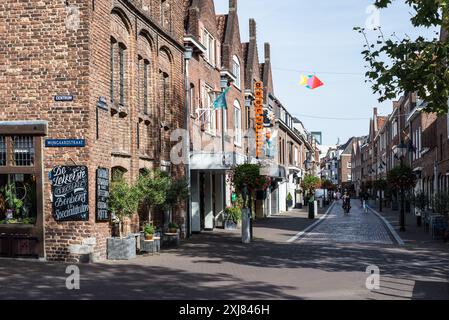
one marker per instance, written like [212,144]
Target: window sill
[210,134]
[121,154]
[145,157]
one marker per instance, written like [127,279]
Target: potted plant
[289,200]
[149,231]
[233,218]
[123,202]
[13,204]
[173,227]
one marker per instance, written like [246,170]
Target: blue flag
[220,102]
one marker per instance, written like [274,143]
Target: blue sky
[317,36]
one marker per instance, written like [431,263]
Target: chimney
[252,29]
[232,6]
[375,112]
[267,52]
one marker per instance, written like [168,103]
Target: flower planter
[121,248]
[289,204]
[230,225]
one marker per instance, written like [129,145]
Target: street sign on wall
[63,98]
[60,143]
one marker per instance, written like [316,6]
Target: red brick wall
[42,58]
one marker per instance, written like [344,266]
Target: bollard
[246,225]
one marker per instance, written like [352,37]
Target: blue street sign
[63,98]
[59,143]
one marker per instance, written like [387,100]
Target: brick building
[107,72]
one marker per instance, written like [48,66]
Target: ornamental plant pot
[172,230]
[230,225]
[149,236]
[121,248]
[289,204]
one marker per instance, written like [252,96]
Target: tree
[380,185]
[161,191]
[123,200]
[310,183]
[327,184]
[401,178]
[397,66]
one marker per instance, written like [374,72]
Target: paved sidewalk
[216,265]
[281,227]
[414,235]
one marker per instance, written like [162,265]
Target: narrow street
[328,262]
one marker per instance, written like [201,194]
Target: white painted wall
[195,196]
[208,208]
[283,196]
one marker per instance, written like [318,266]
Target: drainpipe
[187,56]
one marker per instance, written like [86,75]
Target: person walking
[346,203]
[365,198]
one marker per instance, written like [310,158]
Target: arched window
[117,173]
[237,123]
[122,67]
[236,70]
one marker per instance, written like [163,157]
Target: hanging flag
[220,102]
[311,81]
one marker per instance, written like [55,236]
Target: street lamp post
[308,165]
[402,150]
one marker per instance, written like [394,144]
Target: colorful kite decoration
[312,82]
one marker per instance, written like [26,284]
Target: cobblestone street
[328,263]
[357,227]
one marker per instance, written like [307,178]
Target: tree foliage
[380,184]
[397,66]
[401,177]
[310,183]
[249,175]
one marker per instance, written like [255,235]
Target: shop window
[2,151]
[23,151]
[18,199]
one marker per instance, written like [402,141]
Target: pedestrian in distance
[365,198]
[346,203]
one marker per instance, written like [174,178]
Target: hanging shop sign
[70,194]
[259,118]
[60,143]
[102,192]
[63,98]
[102,104]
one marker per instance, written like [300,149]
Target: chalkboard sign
[70,193]
[102,195]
